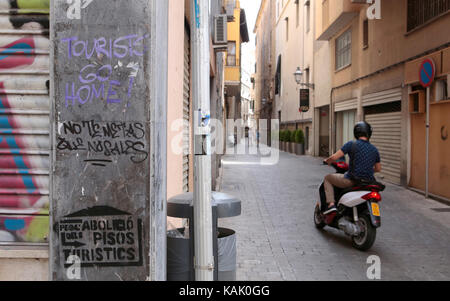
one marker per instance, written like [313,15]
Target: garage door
[387,138]
[24,122]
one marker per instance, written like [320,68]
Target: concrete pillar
[108,163]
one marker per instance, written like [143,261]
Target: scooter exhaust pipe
[348,227]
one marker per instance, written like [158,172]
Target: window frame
[339,52]
[365,33]
[230,54]
[417,26]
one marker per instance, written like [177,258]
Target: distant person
[257,138]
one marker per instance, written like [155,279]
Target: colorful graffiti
[24,123]
[18,53]
[20,187]
[31,228]
[29,11]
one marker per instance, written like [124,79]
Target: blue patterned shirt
[366,156]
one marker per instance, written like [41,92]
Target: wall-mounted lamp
[298,78]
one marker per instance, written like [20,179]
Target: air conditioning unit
[220,33]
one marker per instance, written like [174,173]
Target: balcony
[232,75]
[336,14]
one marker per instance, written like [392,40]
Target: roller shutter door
[186,108]
[24,122]
[387,138]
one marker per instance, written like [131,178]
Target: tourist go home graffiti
[95,80]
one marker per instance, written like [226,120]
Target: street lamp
[298,74]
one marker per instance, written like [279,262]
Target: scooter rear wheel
[318,218]
[366,239]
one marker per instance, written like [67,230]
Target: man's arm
[377,167]
[335,157]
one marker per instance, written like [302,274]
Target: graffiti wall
[24,121]
[101,178]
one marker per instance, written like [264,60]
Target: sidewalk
[277,240]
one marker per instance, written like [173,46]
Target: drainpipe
[203,224]
[332,127]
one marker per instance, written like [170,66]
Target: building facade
[263,78]
[237,32]
[285,44]
[247,102]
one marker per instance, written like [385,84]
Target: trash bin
[179,255]
[226,251]
[180,245]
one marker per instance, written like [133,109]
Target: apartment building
[263,78]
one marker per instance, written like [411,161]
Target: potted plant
[293,144]
[299,139]
[283,140]
[288,141]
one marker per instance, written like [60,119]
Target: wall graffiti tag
[107,140]
[94,81]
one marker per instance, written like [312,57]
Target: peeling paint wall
[24,120]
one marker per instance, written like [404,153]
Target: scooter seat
[373,186]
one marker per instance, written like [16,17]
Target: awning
[244,30]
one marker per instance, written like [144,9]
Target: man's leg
[331,181]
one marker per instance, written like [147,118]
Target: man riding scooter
[364,162]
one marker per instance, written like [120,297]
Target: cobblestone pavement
[277,240]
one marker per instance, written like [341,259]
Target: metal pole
[427,160]
[203,236]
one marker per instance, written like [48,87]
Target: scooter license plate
[376,209]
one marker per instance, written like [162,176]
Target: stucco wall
[24,264]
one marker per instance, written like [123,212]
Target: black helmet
[363,129]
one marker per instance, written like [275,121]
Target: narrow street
[277,239]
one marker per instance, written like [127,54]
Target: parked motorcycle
[358,211]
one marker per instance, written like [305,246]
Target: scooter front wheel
[318,218]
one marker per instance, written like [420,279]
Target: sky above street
[251,8]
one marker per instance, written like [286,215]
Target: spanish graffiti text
[104,138]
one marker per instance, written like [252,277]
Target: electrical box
[417,102]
